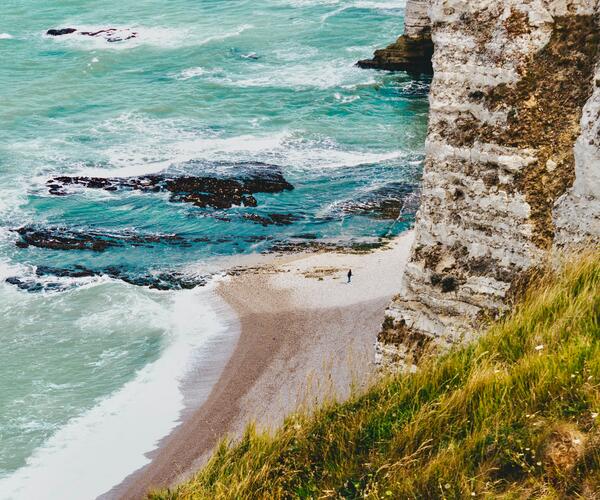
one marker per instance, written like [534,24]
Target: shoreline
[305,336]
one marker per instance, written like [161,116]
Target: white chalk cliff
[512,161]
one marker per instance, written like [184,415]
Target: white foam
[346,99]
[5,36]
[152,145]
[186,74]
[121,429]
[388,7]
[162,144]
[303,74]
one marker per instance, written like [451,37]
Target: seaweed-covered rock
[60,238]
[413,51]
[208,191]
[405,54]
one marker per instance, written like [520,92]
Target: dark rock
[258,219]
[268,180]
[271,219]
[306,236]
[59,238]
[61,31]
[201,191]
[162,281]
[111,35]
[210,192]
[449,284]
[25,285]
[350,247]
[282,219]
[410,54]
[77,272]
[167,280]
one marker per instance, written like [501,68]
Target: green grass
[512,416]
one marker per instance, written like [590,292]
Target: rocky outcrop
[212,191]
[412,52]
[506,143]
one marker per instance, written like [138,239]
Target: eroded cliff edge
[513,162]
[413,50]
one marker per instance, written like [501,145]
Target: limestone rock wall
[577,213]
[416,19]
[506,141]
[413,50]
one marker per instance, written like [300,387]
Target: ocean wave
[121,421]
[5,36]
[299,75]
[346,99]
[161,145]
[149,145]
[360,4]
[388,7]
[186,74]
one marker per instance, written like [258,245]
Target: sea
[107,271]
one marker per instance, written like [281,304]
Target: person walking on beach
[350,276]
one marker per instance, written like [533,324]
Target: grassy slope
[513,415]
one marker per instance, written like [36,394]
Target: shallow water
[204,86]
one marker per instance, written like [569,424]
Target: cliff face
[413,50]
[513,162]
[577,213]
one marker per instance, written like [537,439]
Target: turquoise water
[203,85]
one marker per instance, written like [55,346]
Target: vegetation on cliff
[513,415]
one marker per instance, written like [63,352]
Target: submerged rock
[271,219]
[386,202]
[60,238]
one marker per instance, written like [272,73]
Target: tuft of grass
[512,415]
